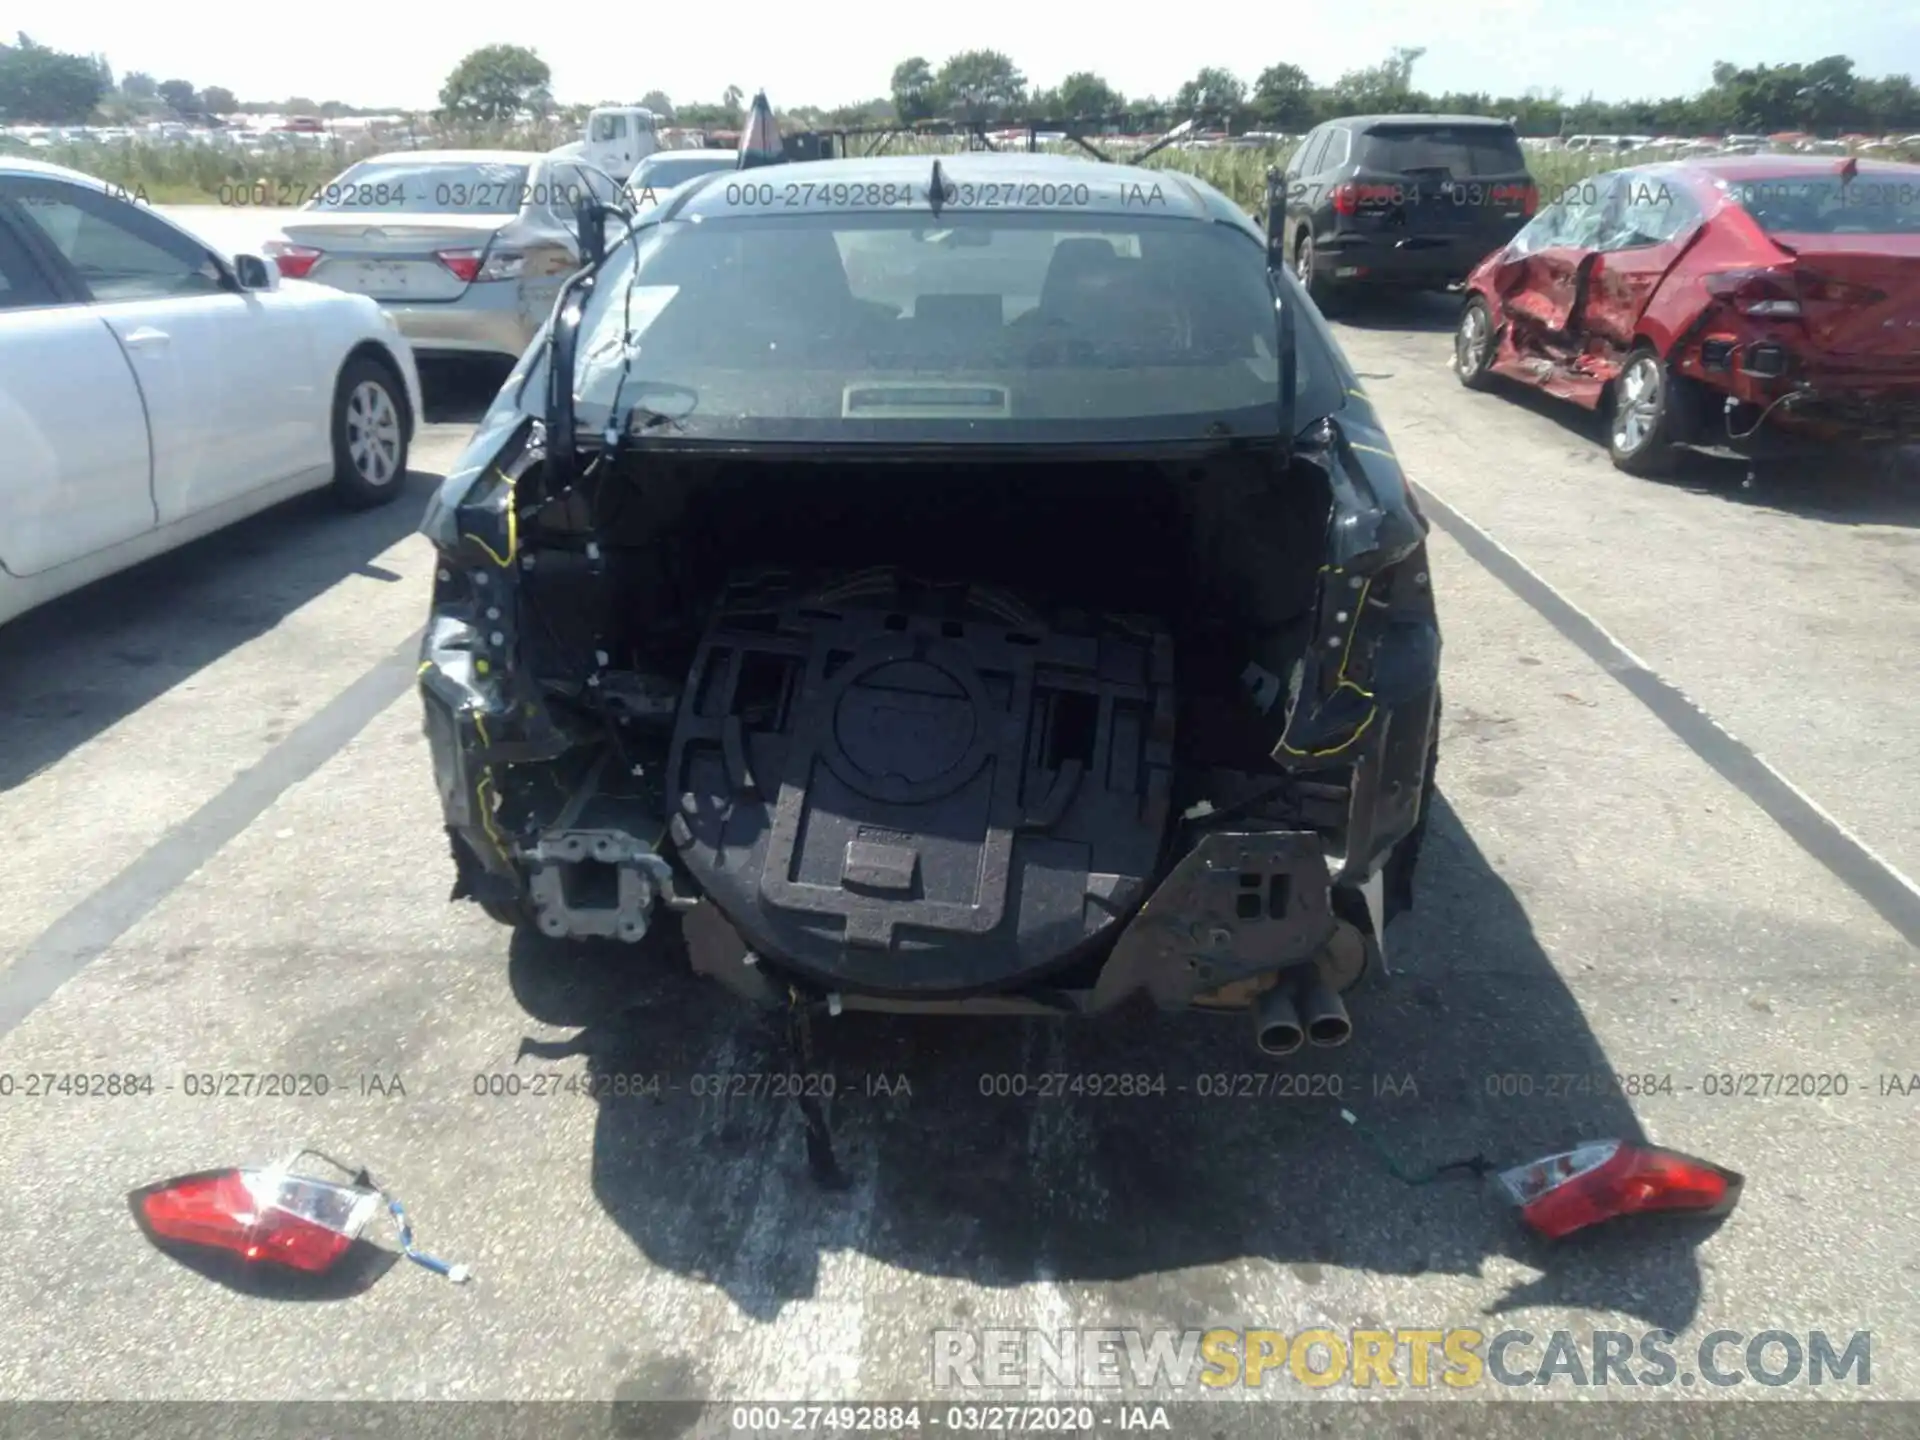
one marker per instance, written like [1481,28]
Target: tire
[1473,346]
[513,916]
[370,438]
[1641,425]
[1318,289]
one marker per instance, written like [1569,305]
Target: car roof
[1363,122]
[20,165]
[1757,167]
[461,157]
[1019,181]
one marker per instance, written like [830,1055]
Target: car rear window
[664,174]
[427,187]
[780,324]
[1869,204]
[1458,149]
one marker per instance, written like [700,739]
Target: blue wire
[459,1274]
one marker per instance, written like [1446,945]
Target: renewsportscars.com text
[1197,1361]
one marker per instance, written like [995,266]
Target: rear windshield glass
[426,187]
[1825,205]
[665,172]
[868,326]
[1458,149]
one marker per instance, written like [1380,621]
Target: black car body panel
[908,778]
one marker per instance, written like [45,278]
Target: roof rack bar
[977,134]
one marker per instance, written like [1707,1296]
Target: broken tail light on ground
[273,1217]
[1607,1179]
[266,1216]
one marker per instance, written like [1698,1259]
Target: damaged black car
[975,586]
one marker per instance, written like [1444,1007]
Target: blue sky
[399,52]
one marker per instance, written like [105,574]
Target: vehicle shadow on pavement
[458,390]
[1840,489]
[1417,311]
[949,1176]
[1844,490]
[80,664]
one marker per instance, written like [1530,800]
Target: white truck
[616,138]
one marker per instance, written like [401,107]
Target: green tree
[179,95]
[658,103]
[1084,93]
[138,85]
[1386,88]
[733,98]
[497,82]
[980,84]
[1827,93]
[1888,103]
[51,86]
[1213,89]
[218,100]
[1402,63]
[1283,97]
[914,90]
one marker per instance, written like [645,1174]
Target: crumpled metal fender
[481,710]
[1366,691]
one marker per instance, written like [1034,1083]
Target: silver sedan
[466,249]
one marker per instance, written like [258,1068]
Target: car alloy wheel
[1473,344]
[1303,262]
[1639,434]
[1636,413]
[373,434]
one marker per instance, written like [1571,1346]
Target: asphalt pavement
[1676,816]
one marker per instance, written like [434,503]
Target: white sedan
[153,389]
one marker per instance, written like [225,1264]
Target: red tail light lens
[1610,1178]
[263,1216]
[293,261]
[1346,199]
[1769,294]
[1524,198]
[465,264]
[471,266]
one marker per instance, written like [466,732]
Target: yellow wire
[1341,682]
[513,525]
[483,789]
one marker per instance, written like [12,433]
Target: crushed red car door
[1651,222]
[1539,281]
[1541,287]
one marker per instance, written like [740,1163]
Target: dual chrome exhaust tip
[1294,1014]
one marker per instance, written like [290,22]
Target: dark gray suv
[1408,201]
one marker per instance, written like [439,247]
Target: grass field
[192,174]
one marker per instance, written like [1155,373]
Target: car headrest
[972,312]
[802,264]
[1079,270]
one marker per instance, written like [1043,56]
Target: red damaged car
[1747,305]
